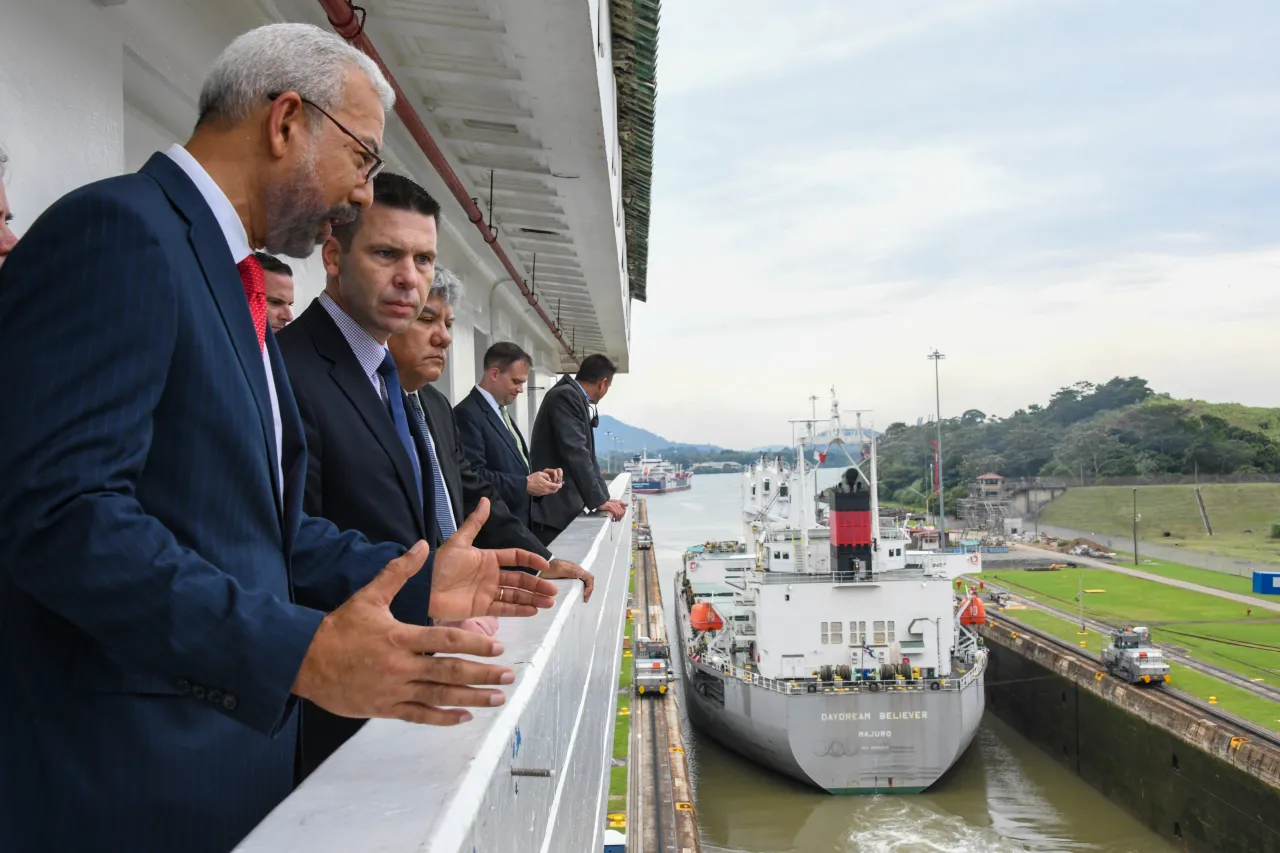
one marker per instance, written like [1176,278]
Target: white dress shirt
[238,244]
[492,402]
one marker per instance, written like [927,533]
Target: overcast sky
[1044,191]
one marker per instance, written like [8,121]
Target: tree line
[1121,428]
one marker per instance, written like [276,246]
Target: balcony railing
[801,686]
[529,777]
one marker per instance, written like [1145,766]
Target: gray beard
[296,213]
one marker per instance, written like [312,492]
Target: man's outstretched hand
[566,569]
[363,663]
[467,581]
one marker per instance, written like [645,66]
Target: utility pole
[927,502]
[1135,527]
[1080,598]
[936,357]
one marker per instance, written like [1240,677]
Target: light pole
[936,357]
[609,464]
[1135,527]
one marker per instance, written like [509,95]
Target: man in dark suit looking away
[563,437]
[494,446]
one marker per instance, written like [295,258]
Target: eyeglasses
[371,163]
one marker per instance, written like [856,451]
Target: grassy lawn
[624,677]
[621,738]
[1203,577]
[622,729]
[1212,629]
[1238,701]
[617,790]
[1233,509]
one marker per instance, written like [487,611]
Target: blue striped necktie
[395,405]
[444,512]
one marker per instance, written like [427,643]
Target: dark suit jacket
[148,559]
[562,438]
[491,451]
[359,475]
[467,487]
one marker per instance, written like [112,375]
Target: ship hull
[659,489]
[898,741]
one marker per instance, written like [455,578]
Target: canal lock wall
[1187,778]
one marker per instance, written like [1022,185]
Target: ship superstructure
[822,645]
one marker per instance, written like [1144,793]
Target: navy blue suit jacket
[359,476]
[491,452]
[148,560]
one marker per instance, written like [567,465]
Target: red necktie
[255,290]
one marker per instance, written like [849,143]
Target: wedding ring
[502,591]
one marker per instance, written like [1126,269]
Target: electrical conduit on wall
[345,22]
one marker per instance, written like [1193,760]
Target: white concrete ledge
[532,775]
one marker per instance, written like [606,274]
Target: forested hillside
[1119,428]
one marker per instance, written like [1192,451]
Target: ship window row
[895,552]
[782,555]
[882,633]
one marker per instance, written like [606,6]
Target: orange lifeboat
[705,618]
[972,611]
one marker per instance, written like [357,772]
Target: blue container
[1266,583]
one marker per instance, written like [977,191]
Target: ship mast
[875,502]
[802,558]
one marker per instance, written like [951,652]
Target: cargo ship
[653,475]
[823,645]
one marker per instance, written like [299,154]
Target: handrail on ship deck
[799,688]
[529,777]
[909,573]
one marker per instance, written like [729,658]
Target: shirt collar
[590,402]
[367,350]
[492,402]
[223,211]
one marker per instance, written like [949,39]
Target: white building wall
[608,84]
[88,92]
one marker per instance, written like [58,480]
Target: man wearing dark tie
[369,468]
[162,596]
[494,447]
[421,353]
[564,437]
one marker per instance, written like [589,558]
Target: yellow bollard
[1213,700]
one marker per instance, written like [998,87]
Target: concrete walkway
[1194,587]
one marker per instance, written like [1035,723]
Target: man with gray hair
[421,353]
[166,603]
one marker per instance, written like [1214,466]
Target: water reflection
[1003,796]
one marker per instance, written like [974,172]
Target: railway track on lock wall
[1262,689]
[659,821]
[1217,715]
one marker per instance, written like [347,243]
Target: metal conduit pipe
[345,23]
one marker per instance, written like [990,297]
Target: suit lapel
[349,376]
[445,449]
[223,279]
[293,446]
[432,524]
[509,440]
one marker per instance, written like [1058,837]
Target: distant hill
[1118,428]
[632,439]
